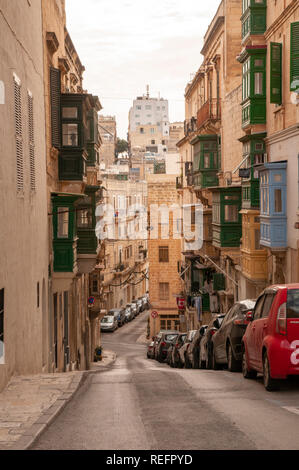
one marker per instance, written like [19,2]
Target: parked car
[271,340]
[227,341]
[137,306]
[163,344]
[156,340]
[192,353]
[170,349]
[134,310]
[183,350]
[140,305]
[119,314]
[175,357]
[150,350]
[129,315]
[109,323]
[205,350]
[145,302]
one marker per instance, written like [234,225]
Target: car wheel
[201,363]
[270,384]
[215,365]
[247,374]
[160,358]
[232,364]
[187,362]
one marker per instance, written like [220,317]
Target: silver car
[109,323]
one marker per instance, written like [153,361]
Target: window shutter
[219,281]
[294,64]
[31,142]
[276,73]
[55,86]
[19,134]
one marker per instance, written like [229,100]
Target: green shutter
[294,64]
[219,281]
[276,73]
[55,89]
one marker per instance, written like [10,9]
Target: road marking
[291,409]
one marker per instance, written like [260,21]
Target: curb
[26,441]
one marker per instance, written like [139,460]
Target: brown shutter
[19,135]
[55,87]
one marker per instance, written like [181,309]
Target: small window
[37,295]
[163,291]
[63,222]
[278,200]
[258,308]
[70,135]
[231,213]
[267,305]
[84,218]
[163,254]
[258,83]
[258,63]
[257,237]
[70,112]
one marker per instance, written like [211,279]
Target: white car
[109,323]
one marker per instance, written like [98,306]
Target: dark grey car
[227,341]
[164,343]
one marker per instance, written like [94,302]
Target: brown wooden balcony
[211,110]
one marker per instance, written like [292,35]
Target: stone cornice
[288,133]
[219,22]
[281,19]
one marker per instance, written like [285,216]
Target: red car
[271,340]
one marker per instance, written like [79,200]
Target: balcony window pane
[63,222]
[258,83]
[231,213]
[70,112]
[84,218]
[278,200]
[207,160]
[257,236]
[70,135]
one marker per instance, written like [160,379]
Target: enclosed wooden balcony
[210,111]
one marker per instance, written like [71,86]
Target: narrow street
[142,404]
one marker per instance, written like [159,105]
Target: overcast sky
[127,44]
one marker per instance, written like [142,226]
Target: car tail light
[163,344]
[177,345]
[281,322]
[241,322]
[188,345]
[213,332]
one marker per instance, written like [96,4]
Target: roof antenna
[147,91]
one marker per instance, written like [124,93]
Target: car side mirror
[249,316]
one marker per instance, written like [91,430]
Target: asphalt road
[142,404]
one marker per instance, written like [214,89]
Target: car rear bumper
[283,358]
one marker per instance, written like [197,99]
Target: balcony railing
[211,110]
[190,125]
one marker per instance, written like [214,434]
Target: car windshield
[293,303]
[170,337]
[107,320]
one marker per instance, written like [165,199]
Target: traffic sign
[91,300]
[154,314]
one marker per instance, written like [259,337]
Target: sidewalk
[29,404]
